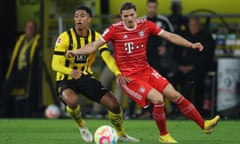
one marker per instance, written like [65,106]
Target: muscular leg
[73,108]
[106,79]
[185,106]
[115,112]
[158,110]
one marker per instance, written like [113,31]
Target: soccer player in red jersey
[138,79]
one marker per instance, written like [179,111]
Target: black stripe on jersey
[93,35]
[103,49]
[85,43]
[59,53]
[77,38]
[78,42]
[67,65]
[70,40]
[70,47]
[86,40]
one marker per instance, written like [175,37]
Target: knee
[155,97]
[72,103]
[70,100]
[171,93]
[174,96]
[114,107]
[110,102]
[158,101]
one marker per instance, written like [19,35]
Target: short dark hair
[127,6]
[85,8]
[152,1]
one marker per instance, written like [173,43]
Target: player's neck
[82,32]
[130,28]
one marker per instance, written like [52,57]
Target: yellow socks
[76,115]
[117,121]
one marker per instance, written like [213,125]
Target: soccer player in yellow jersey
[74,75]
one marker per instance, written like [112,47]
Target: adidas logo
[125,36]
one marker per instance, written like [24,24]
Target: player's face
[129,17]
[151,9]
[81,19]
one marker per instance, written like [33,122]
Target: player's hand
[121,79]
[70,53]
[76,73]
[198,46]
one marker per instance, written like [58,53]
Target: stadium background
[54,16]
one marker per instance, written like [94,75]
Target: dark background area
[8,30]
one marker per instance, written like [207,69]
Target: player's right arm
[173,38]
[59,59]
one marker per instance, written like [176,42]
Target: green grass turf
[64,131]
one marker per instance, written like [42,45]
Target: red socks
[189,111]
[160,118]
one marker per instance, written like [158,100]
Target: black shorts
[86,85]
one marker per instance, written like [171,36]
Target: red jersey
[130,44]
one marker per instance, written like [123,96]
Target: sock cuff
[180,100]
[159,105]
[111,113]
[70,110]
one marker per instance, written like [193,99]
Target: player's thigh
[158,81]
[69,97]
[171,93]
[92,89]
[138,90]
[66,92]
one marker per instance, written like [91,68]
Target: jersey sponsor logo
[80,59]
[129,46]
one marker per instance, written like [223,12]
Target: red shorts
[142,83]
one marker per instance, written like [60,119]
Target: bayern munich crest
[141,33]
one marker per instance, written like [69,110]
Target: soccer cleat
[210,124]
[86,134]
[167,139]
[127,138]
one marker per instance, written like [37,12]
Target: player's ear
[121,16]
[136,14]
[89,20]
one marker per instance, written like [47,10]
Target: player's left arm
[109,60]
[111,64]
[179,40]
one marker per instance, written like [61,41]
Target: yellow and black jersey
[69,40]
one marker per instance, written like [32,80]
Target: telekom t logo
[129,47]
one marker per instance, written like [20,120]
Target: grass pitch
[64,131]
